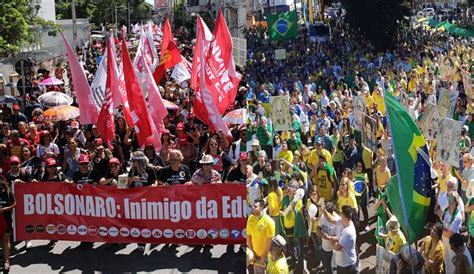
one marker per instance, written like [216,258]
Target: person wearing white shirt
[331,229]
[452,221]
[345,243]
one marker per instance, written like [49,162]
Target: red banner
[209,214]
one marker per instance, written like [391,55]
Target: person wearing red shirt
[33,135]
[15,143]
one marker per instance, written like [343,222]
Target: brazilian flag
[282,26]
[414,172]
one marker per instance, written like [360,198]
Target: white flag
[181,73]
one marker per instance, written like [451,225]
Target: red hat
[84,158]
[243,156]
[166,131]
[180,126]
[243,128]
[149,144]
[16,107]
[50,162]
[114,161]
[45,132]
[14,159]
[98,141]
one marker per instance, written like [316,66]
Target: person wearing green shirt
[264,132]
[294,143]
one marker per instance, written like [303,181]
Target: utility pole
[115,6]
[74,22]
[128,16]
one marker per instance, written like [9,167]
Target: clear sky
[151,2]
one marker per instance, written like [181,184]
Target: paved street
[69,257]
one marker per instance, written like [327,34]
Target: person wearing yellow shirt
[285,153]
[368,99]
[382,174]
[394,239]
[432,250]
[324,178]
[274,199]
[315,154]
[443,178]
[345,196]
[359,175]
[378,99]
[313,223]
[260,231]
[277,260]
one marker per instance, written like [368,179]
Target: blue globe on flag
[282,26]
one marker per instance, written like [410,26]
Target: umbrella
[51,81]
[55,99]
[6,99]
[170,105]
[236,116]
[61,113]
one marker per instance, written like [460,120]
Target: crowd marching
[312,175]
[39,147]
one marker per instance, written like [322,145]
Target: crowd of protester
[309,188]
[34,149]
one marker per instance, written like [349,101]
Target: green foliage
[103,11]
[18,23]
[379,21]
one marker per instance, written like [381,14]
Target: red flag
[138,108]
[204,106]
[105,123]
[221,76]
[169,56]
[88,109]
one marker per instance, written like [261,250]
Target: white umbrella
[55,99]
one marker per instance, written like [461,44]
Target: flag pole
[400,187]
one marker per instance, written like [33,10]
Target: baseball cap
[180,126]
[98,141]
[166,131]
[114,161]
[243,156]
[50,162]
[16,107]
[279,241]
[84,158]
[14,159]
[45,132]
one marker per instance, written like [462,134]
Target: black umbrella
[5,99]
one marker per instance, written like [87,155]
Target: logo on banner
[190,234]
[81,230]
[224,233]
[51,229]
[103,231]
[156,233]
[244,233]
[212,233]
[201,234]
[235,233]
[146,233]
[92,230]
[29,229]
[40,228]
[61,229]
[124,232]
[113,231]
[168,233]
[179,233]
[135,232]
[71,229]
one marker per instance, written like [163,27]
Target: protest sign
[447,102]
[369,133]
[208,214]
[447,149]
[404,99]
[383,258]
[281,116]
[280,54]
[239,51]
[447,68]
[431,121]
[466,82]
[359,111]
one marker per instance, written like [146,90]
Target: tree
[18,23]
[379,21]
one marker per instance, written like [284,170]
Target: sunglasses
[213,145]
[208,164]
[114,166]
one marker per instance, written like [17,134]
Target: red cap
[98,141]
[14,159]
[149,144]
[16,107]
[180,126]
[243,128]
[84,158]
[45,132]
[243,156]
[166,131]
[114,161]
[50,162]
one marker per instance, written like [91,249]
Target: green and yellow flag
[414,173]
[282,26]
